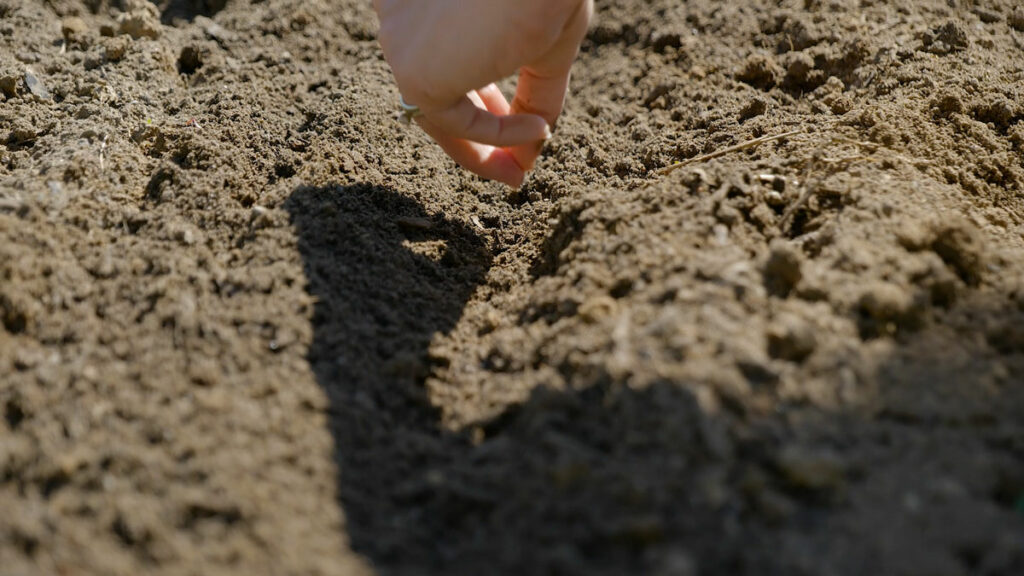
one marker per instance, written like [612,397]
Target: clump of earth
[249,323]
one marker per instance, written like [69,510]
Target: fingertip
[526,155]
[470,122]
[504,168]
[534,127]
[514,181]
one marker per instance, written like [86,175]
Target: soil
[251,324]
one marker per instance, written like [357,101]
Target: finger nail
[547,132]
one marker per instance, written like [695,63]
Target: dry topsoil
[253,325]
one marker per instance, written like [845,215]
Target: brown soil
[252,325]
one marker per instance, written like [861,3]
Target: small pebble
[35,85]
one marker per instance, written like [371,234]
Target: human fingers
[467,121]
[544,82]
[492,99]
[495,102]
[441,49]
[486,161]
[542,96]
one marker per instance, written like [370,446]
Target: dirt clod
[1016,19]
[141,20]
[782,270]
[73,28]
[960,245]
[888,308]
[760,71]
[950,37]
[791,338]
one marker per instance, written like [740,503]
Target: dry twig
[742,146]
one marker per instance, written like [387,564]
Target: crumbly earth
[249,324]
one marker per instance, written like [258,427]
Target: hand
[446,55]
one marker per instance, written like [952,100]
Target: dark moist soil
[252,325]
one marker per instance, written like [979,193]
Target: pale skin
[447,54]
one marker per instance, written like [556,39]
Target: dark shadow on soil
[613,480]
[171,10]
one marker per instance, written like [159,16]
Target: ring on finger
[408,111]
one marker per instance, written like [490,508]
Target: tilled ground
[252,325]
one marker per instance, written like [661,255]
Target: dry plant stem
[873,147]
[859,143]
[724,151]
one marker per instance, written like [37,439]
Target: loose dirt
[253,325]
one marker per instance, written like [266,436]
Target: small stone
[35,85]
[261,217]
[808,469]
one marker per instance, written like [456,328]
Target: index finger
[468,121]
[543,84]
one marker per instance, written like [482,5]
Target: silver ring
[408,111]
